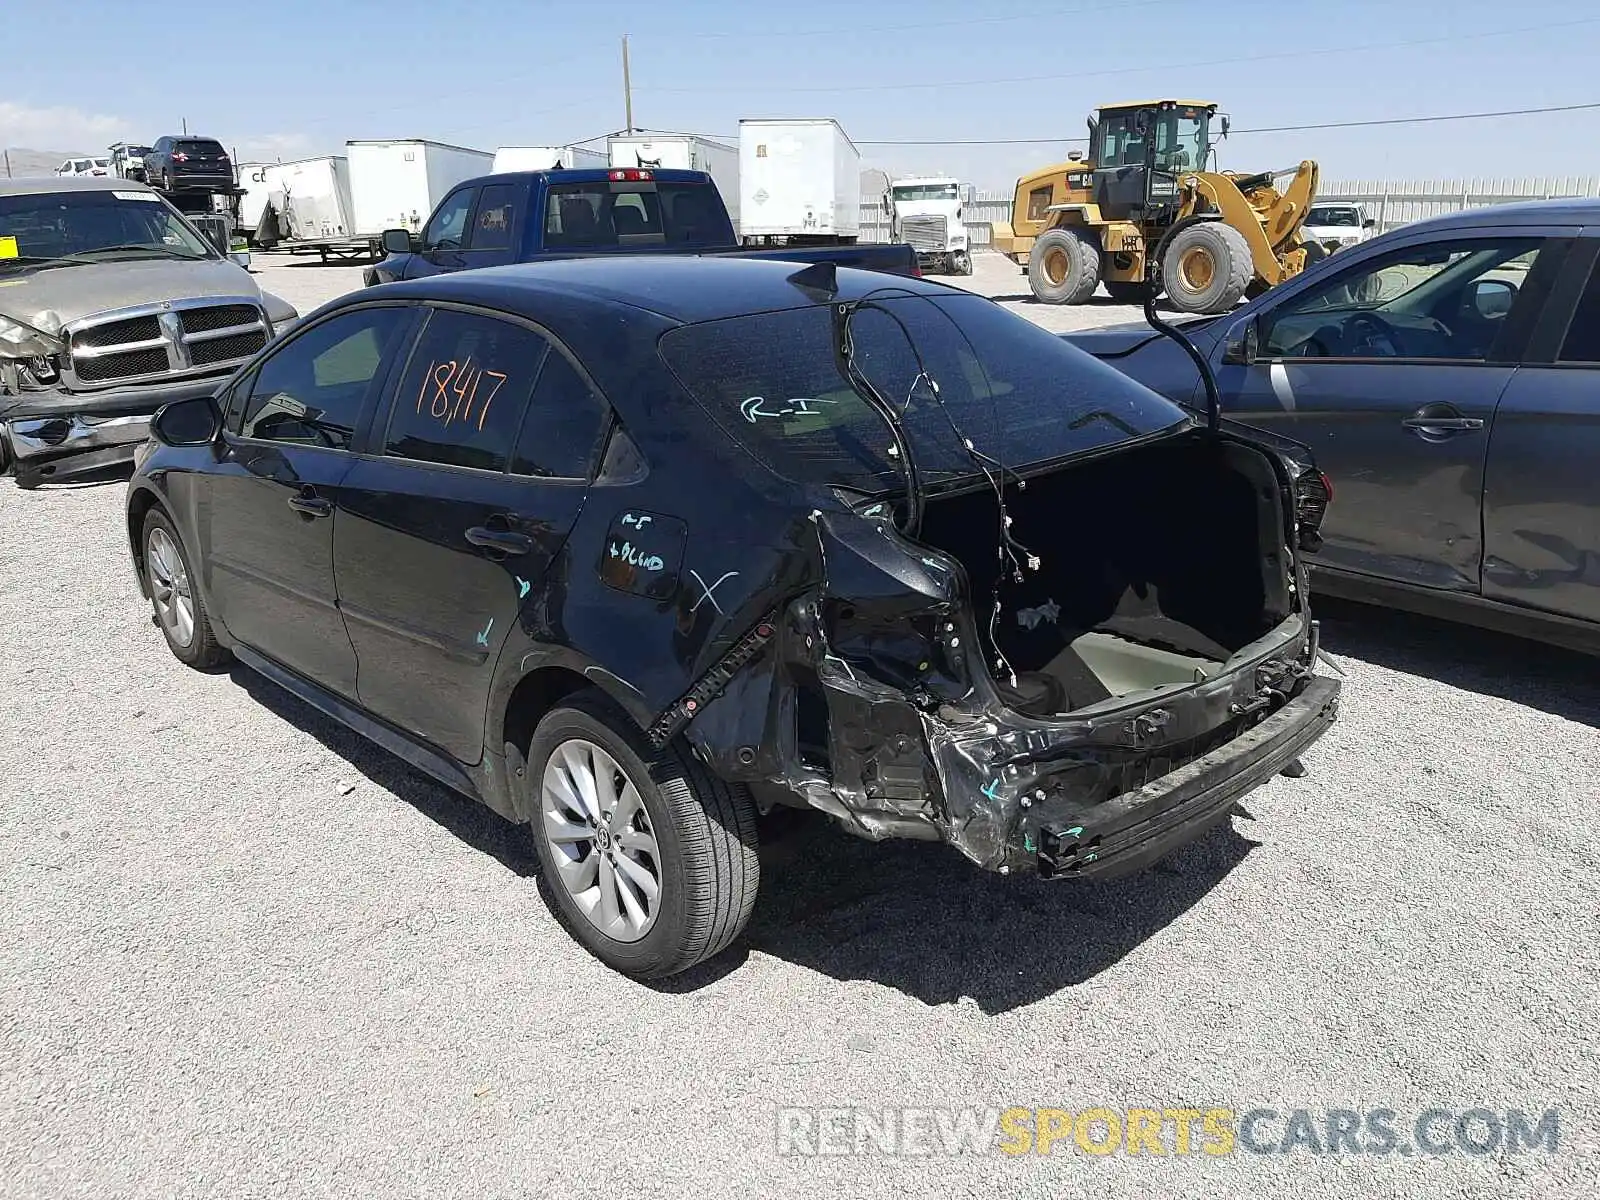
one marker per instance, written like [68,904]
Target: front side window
[1441,300]
[461,401]
[312,391]
[449,225]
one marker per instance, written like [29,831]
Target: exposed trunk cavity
[1155,566]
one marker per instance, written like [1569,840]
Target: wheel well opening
[138,509]
[533,697]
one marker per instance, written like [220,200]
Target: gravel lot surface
[244,953]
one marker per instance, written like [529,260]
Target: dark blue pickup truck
[527,216]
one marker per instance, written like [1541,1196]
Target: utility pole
[627,85]
[8,164]
[185,126]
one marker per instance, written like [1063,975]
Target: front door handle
[1443,424]
[308,504]
[505,541]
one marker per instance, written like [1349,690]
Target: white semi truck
[925,211]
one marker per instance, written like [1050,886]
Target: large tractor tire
[1207,268]
[1064,266]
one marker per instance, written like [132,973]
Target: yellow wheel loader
[1216,236]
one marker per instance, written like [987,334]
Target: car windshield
[926,191]
[774,383]
[1333,216]
[634,214]
[95,226]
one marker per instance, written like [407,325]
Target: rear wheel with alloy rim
[648,859]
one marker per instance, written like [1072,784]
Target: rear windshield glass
[773,382]
[634,214]
[210,149]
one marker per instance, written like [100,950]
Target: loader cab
[1121,140]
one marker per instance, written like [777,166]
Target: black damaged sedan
[633,551]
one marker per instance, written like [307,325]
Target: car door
[443,244]
[268,508]
[1541,522]
[1390,370]
[453,520]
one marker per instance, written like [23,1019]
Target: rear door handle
[309,504]
[1443,424]
[506,541]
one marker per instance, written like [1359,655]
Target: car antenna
[819,281]
[1152,280]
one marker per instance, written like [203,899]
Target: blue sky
[298,77]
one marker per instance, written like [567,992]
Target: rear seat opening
[1156,565]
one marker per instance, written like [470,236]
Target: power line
[1473,116]
[1299,54]
[767,34]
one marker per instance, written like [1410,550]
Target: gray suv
[111,305]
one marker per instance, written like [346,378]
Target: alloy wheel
[601,839]
[169,587]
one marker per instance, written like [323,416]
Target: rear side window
[491,225]
[461,401]
[561,433]
[1582,343]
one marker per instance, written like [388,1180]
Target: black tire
[963,262]
[705,829]
[1064,266]
[1125,291]
[202,651]
[1206,268]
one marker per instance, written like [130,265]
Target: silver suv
[111,305]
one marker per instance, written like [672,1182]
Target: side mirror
[187,422]
[396,241]
[885,203]
[1492,298]
[1243,343]
[1226,124]
[1369,223]
[240,258]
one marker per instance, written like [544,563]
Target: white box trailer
[253,179]
[547,158]
[682,152]
[396,184]
[799,180]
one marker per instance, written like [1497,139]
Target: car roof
[45,184]
[1577,211]
[589,175]
[683,288]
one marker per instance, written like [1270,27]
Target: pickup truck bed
[531,216]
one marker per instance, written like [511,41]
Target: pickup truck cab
[532,216]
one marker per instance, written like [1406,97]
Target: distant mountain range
[36,162]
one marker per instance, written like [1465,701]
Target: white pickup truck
[1334,225]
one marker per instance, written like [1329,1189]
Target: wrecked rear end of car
[1044,615]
